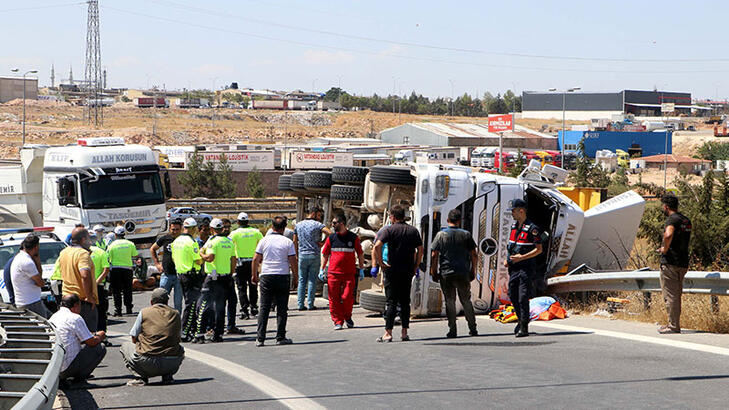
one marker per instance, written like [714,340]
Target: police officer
[101,271]
[121,252]
[246,239]
[220,263]
[99,241]
[187,262]
[525,243]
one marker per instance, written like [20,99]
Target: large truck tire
[395,175]
[349,175]
[373,300]
[284,183]
[318,180]
[349,193]
[297,182]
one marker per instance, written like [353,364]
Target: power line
[407,57]
[49,6]
[431,46]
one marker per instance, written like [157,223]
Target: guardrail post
[646,300]
[714,304]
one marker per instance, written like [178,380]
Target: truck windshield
[122,190]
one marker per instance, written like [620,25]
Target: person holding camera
[454,259]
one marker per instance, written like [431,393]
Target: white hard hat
[374,221]
[189,223]
[216,223]
[98,228]
[119,230]
[242,216]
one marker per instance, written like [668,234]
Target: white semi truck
[96,181]
[601,237]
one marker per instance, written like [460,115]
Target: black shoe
[350,323]
[254,312]
[516,329]
[199,340]
[117,313]
[312,307]
[236,331]
[473,332]
[303,308]
[259,343]
[185,339]
[216,339]
[129,311]
[451,335]
[245,315]
[523,330]
[167,379]
[284,341]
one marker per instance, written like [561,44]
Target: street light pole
[15,70]
[564,99]
[451,81]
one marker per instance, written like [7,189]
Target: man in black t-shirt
[674,261]
[404,253]
[453,263]
[169,279]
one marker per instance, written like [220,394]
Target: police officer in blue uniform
[525,244]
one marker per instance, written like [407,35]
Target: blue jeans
[308,272]
[169,282]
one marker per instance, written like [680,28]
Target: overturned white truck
[601,237]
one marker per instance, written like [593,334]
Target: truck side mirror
[67,194]
[168,185]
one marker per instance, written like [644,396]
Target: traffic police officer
[187,262]
[121,252]
[220,262]
[525,243]
[246,239]
[101,271]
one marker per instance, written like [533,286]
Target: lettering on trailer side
[569,237]
[7,189]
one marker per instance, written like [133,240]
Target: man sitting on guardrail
[84,350]
[156,349]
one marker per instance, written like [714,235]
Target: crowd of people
[209,269]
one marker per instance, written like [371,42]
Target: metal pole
[24,109]
[564,97]
[665,162]
[501,152]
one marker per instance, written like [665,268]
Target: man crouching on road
[156,349]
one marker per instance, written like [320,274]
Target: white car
[50,247]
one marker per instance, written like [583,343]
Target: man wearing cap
[220,261]
[155,349]
[121,252]
[525,244]
[245,239]
[187,262]
[99,242]
[101,270]
[168,280]
[307,238]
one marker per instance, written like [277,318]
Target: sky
[439,48]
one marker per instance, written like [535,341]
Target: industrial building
[634,143]
[677,162]
[12,88]
[465,135]
[582,106]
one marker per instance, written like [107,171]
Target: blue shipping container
[652,143]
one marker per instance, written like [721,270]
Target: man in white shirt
[276,255]
[84,350]
[25,274]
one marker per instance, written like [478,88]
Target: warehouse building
[12,88]
[465,135]
[581,106]
[634,143]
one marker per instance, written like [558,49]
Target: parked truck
[150,102]
[98,181]
[600,237]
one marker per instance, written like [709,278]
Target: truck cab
[600,237]
[98,181]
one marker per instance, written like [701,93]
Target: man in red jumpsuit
[342,250]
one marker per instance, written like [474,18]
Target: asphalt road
[553,368]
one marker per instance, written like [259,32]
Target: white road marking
[266,385]
[639,338]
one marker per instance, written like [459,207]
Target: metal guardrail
[706,283]
[30,360]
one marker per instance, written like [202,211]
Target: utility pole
[451,81]
[15,70]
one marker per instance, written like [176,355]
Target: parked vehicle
[184,212]
[50,247]
[152,102]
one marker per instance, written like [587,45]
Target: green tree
[519,166]
[587,173]
[714,150]
[254,184]
[223,182]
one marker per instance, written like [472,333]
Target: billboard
[500,123]
[240,160]
[176,154]
[320,160]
